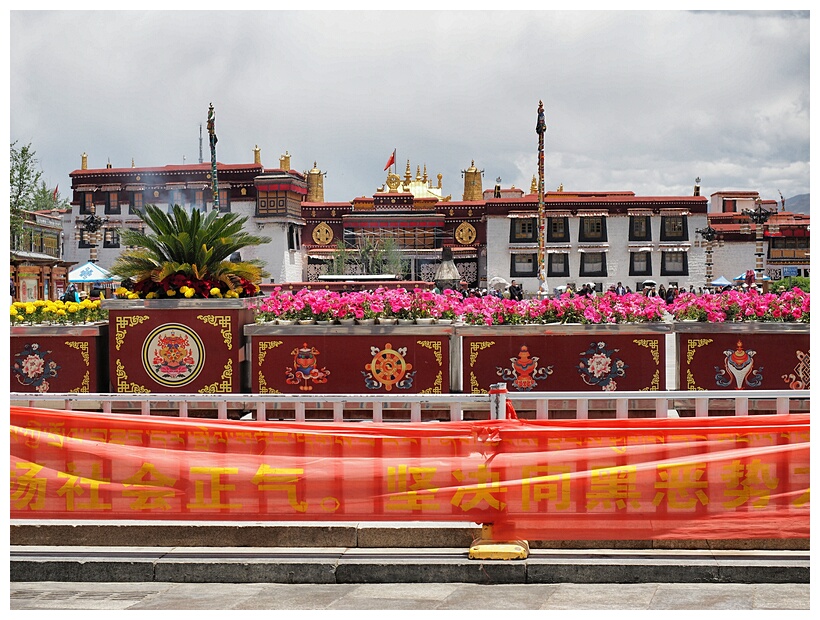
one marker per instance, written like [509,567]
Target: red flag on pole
[391,161]
[55,194]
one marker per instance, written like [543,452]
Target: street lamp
[709,235]
[758,216]
[92,225]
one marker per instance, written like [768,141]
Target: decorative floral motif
[33,368]
[599,368]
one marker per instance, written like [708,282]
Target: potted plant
[183,303]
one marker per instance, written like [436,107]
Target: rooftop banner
[633,479]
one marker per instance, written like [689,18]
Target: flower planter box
[565,358]
[742,356]
[367,359]
[70,358]
[184,346]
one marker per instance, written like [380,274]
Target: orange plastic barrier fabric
[688,478]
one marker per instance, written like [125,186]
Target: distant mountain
[798,204]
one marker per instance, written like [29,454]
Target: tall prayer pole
[212,140]
[541,129]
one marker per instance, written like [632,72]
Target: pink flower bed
[791,306]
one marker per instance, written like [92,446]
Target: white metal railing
[349,407]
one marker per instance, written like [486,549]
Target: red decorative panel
[59,359]
[566,363]
[319,363]
[748,360]
[185,350]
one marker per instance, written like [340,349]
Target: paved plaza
[426,596]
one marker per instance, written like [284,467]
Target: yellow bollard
[485,548]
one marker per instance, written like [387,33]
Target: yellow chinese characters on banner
[582,480]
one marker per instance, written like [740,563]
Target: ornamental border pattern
[264,347]
[436,387]
[225,385]
[433,345]
[653,346]
[123,322]
[122,382]
[85,386]
[82,347]
[223,322]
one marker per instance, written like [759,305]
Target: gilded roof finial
[418,173]
[439,180]
[132,163]
[257,155]
[533,186]
[84,160]
[407,177]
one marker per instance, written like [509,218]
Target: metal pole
[541,129]
[213,140]
[498,401]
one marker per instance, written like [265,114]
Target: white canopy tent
[721,281]
[91,273]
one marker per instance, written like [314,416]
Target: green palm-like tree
[192,250]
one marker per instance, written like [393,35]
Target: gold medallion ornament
[393,181]
[465,233]
[322,234]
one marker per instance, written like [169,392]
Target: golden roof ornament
[257,155]
[533,186]
[393,181]
[284,161]
[407,177]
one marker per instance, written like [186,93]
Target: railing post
[498,401]
[701,406]
[542,409]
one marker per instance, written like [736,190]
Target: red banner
[686,478]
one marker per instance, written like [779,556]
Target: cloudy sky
[634,100]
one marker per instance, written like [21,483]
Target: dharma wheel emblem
[388,368]
[465,233]
[322,234]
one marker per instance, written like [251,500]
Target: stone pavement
[428,596]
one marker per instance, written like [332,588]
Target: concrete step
[376,534]
[339,565]
[357,552]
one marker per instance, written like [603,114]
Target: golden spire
[132,163]
[439,180]
[257,155]
[315,185]
[84,160]
[407,177]
[418,173]
[533,186]
[284,161]
[424,178]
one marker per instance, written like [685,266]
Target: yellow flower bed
[48,312]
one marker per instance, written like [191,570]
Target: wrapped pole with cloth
[487,547]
